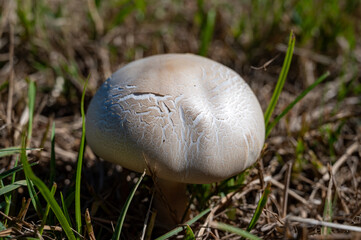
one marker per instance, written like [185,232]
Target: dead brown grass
[312,156]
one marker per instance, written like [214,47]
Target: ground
[311,158]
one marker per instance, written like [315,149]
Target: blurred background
[59,44]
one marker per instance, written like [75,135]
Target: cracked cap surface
[192,120]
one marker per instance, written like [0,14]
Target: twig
[350,150]
[147,216]
[356,213]
[286,190]
[205,225]
[7,232]
[290,192]
[24,209]
[6,216]
[322,223]
[53,228]
[151,224]
[328,204]
[264,66]
[333,236]
[343,204]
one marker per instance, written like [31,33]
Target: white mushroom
[187,118]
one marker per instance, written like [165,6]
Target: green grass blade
[31,105]
[327,217]
[281,79]
[238,231]
[65,209]
[46,194]
[9,151]
[261,204]
[47,209]
[14,170]
[10,187]
[189,235]
[4,85]
[2,227]
[80,165]
[294,102]
[34,197]
[179,229]
[69,200]
[8,197]
[52,156]
[123,213]
[13,150]
[124,11]
[207,32]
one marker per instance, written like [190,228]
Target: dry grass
[312,158]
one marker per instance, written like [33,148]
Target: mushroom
[185,118]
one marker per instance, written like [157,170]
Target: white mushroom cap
[195,120]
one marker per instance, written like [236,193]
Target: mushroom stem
[170,201]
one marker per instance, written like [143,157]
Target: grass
[48,196]
[123,213]
[281,80]
[261,204]
[206,19]
[31,101]
[10,187]
[80,165]
[179,229]
[312,114]
[235,230]
[294,102]
[52,156]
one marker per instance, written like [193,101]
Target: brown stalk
[24,209]
[286,189]
[343,204]
[264,66]
[11,63]
[327,213]
[89,226]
